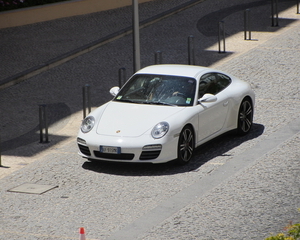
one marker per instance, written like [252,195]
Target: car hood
[132,120]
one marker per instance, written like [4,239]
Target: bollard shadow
[259,20]
[207,26]
[56,112]
[210,57]
[233,19]
[203,154]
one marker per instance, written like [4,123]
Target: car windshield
[158,89]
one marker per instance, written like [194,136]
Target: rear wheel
[186,145]
[245,117]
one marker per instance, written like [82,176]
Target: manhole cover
[32,188]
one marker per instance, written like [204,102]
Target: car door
[213,114]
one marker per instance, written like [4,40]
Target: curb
[17,78]
[52,11]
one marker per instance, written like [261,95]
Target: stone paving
[118,201]
[243,207]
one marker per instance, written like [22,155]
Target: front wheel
[186,145]
[245,117]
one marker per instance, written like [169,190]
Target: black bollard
[0,153]
[43,117]
[274,11]
[158,57]
[122,76]
[86,99]
[221,36]
[247,25]
[191,50]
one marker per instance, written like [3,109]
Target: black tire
[186,145]
[245,117]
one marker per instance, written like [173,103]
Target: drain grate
[32,188]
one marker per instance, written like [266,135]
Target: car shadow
[214,148]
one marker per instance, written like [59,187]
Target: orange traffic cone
[82,233]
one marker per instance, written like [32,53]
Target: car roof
[175,69]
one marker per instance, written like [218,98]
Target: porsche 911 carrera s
[163,112]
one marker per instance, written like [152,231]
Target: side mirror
[208,98]
[114,91]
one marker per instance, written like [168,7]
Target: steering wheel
[179,94]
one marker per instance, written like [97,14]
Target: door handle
[225,104]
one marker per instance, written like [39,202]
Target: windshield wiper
[126,100]
[162,103]
[146,102]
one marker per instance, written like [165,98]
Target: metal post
[86,99]
[298,7]
[158,57]
[0,156]
[191,50]
[221,33]
[83,102]
[122,76]
[274,11]
[88,91]
[41,122]
[43,115]
[136,37]
[0,153]
[247,24]
[46,123]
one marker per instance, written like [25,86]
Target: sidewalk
[53,11]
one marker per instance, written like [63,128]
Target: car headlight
[87,124]
[160,130]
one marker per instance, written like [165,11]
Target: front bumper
[139,149]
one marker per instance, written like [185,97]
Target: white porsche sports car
[164,112]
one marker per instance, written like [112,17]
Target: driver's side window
[213,83]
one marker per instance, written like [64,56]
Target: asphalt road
[234,188]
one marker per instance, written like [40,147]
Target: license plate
[108,149]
